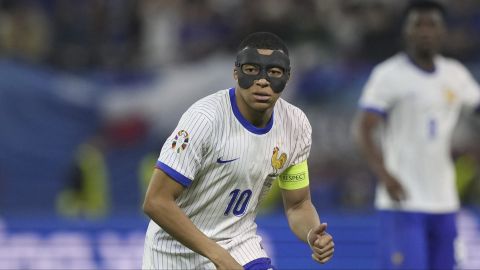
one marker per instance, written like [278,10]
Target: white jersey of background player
[423,109]
[219,163]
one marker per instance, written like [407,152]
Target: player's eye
[275,72]
[250,69]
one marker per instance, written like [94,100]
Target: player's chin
[262,106]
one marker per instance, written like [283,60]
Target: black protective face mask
[264,62]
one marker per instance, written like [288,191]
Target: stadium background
[89,91]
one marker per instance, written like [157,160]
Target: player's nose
[263,82]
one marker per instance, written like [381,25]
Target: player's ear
[235,74]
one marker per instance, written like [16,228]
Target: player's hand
[394,188]
[321,243]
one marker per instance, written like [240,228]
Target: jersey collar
[244,121]
[419,68]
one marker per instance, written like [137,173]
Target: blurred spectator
[24,31]
[95,34]
[202,30]
[464,25]
[87,191]
[381,32]
[160,20]
[75,34]
[270,15]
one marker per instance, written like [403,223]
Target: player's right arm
[368,122]
[160,205]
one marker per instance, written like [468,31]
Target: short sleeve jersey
[226,166]
[421,110]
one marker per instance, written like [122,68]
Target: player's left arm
[302,216]
[470,89]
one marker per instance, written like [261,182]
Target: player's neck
[424,61]
[259,119]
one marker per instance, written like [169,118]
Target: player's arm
[160,205]
[368,122]
[302,216]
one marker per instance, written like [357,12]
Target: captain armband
[295,177]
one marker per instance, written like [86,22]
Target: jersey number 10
[238,202]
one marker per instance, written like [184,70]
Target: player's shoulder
[391,65]
[291,115]
[452,64]
[289,110]
[212,105]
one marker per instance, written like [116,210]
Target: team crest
[450,96]
[397,258]
[278,160]
[180,142]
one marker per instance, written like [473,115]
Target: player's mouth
[260,97]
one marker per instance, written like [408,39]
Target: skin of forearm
[372,153]
[301,218]
[370,149]
[173,220]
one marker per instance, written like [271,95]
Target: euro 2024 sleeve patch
[180,141]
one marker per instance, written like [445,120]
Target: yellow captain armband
[295,177]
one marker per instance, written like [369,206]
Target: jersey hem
[178,177]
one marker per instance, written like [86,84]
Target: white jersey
[421,110]
[227,166]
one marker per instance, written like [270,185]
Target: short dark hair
[425,5]
[263,40]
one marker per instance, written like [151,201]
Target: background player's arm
[304,222]
[161,207]
[367,124]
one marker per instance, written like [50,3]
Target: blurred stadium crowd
[129,34]
[151,53]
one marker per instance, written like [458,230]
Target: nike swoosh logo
[219,160]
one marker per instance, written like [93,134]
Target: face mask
[263,62]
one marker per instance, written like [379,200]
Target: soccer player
[221,160]
[416,97]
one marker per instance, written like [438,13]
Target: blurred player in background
[417,95]
[220,162]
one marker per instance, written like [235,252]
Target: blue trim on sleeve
[258,264]
[178,177]
[477,110]
[379,111]
[244,121]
